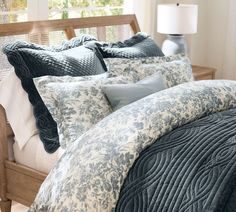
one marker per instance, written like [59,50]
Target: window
[84,8]
[13,11]
[63,9]
[23,10]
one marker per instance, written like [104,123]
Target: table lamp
[176,20]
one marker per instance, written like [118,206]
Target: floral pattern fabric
[75,103]
[176,69]
[90,174]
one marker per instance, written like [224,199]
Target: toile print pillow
[174,73]
[123,66]
[76,104]
[175,69]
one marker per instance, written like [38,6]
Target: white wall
[229,51]
[215,41]
[216,33]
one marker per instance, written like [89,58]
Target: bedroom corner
[214,43]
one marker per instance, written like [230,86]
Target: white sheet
[34,156]
[18,109]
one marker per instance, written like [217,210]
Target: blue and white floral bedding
[90,174]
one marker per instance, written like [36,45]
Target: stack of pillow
[74,86]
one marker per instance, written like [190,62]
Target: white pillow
[18,109]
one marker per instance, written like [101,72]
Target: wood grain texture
[5,203]
[67,25]
[203,73]
[23,183]
[5,206]
[134,25]
[18,182]
[70,32]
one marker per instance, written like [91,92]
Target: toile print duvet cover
[174,150]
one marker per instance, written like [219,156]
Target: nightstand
[203,73]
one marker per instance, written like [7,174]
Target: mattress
[34,156]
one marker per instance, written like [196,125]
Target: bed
[21,183]
[18,182]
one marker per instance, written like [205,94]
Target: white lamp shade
[177,18]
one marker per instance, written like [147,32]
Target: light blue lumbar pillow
[120,95]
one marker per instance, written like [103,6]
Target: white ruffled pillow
[18,109]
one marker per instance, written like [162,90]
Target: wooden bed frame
[18,182]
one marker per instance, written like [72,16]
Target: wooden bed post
[5,203]
[134,25]
[70,32]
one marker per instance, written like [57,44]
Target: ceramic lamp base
[174,44]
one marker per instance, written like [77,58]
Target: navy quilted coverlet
[192,169]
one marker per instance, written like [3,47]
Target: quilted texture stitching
[183,170]
[22,56]
[140,45]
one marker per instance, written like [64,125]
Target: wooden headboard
[68,25]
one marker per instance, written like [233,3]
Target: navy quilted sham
[140,45]
[31,60]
